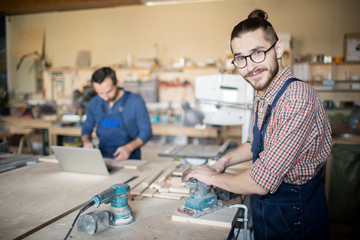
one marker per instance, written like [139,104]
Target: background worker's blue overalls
[112,130]
[293,211]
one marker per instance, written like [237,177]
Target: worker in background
[121,118]
[290,143]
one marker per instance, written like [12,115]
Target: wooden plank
[220,218]
[127,164]
[151,177]
[148,179]
[133,184]
[50,158]
[30,40]
[169,196]
[179,189]
[149,192]
[175,180]
[166,173]
[138,190]
[182,170]
[157,186]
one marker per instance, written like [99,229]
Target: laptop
[81,160]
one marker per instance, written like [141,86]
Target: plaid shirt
[298,138]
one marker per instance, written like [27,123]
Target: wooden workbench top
[26,122]
[158,129]
[152,221]
[33,197]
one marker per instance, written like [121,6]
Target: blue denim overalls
[293,211]
[112,130]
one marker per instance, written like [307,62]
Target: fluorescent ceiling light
[171,2]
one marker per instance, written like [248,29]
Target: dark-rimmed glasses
[257,57]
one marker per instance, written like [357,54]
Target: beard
[115,96]
[261,84]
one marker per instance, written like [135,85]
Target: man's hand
[220,165]
[203,173]
[86,140]
[122,153]
[88,145]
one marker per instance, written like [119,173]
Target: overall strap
[282,90]
[121,109]
[270,108]
[126,96]
[276,99]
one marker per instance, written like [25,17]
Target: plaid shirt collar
[274,87]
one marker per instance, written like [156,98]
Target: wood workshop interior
[181,103]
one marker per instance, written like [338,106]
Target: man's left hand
[122,153]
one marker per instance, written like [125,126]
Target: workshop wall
[198,31]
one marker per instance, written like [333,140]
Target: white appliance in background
[225,99]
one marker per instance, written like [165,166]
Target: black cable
[72,226]
[92,202]
[89,204]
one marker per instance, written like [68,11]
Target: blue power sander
[201,201]
[119,212]
[119,208]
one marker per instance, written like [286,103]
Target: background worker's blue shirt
[118,125]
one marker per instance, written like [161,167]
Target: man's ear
[279,49]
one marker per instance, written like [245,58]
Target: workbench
[157,129]
[39,124]
[26,122]
[41,201]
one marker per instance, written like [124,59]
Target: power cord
[92,202]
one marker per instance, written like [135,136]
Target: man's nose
[250,65]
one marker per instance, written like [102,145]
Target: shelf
[160,69]
[336,81]
[338,90]
[346,63]
[332,63]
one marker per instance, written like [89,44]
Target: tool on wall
[119,212]
[201,201]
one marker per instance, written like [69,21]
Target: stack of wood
[166,182]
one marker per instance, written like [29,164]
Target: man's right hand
[86,140]
[88,145]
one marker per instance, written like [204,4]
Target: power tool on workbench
[119,212]
[118,196]
[201,201]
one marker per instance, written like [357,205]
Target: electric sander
[201,201]
[119,212]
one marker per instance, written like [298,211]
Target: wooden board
[220,218]
[127,164]
[173,196]
[166,173]
[30,40]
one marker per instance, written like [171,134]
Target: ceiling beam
[14,7]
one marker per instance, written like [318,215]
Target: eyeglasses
[257,57]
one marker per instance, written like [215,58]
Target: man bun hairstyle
[256,19]
[257,13]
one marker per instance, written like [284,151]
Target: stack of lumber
[168,181]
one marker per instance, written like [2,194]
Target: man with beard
[121,118]
[290,144]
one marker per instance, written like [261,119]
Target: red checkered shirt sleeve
[297,140]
